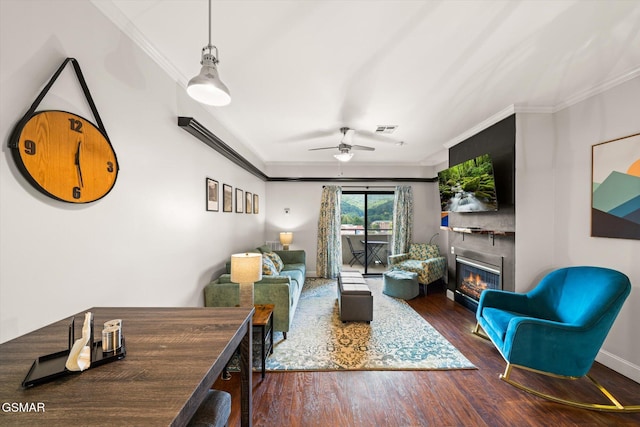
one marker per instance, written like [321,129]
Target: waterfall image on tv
[468,186]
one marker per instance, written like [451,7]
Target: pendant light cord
[210,47]
[209,22]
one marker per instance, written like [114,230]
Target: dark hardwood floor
[431,398]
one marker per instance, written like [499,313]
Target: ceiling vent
[386,129]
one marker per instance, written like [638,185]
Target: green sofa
[282,290]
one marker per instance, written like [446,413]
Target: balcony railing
[370,231]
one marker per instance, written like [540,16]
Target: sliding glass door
[367,223]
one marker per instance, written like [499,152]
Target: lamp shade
[286,237]
[246,268]
[207,87]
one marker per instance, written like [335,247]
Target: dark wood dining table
[173,356]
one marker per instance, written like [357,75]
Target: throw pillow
[264,248]
[275,259]
[268,269]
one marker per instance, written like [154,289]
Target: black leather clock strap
[85,90]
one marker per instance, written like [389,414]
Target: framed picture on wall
[239,201]
[227,198]
[255,204]
[615,188]
[212,195]
[248,201]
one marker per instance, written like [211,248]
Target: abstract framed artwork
[256,201]
[239,201]
[227,198]
[212,195]
[248,201]
[615,188]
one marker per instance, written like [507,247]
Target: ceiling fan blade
[322,148]
[362,147]
[348,136]
[308,135]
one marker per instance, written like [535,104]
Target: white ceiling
[300,70]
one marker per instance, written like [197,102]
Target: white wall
[553,215]
[149,242]
[535,198]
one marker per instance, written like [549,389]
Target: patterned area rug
[398,338]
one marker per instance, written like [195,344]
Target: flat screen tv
[468,187]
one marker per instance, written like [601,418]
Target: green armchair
[423,259]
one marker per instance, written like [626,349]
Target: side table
[263,323]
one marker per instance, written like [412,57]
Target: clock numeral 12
[76,192]
[76,125]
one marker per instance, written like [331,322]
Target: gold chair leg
[614,407]
[479,332]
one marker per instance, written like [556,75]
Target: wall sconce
[246,269]
[286,238]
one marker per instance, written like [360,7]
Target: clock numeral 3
[29,147]
[109,166]
[76,125]
[76,192]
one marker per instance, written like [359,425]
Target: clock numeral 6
[76,125]
[29,147]
[109,166]
[76,192]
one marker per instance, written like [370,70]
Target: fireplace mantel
[473,230]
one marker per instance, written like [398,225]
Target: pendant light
[207,87]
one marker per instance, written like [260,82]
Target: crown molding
[113,13]
[542,109]
[502,114]
[597,89]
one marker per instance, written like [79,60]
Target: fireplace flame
[473,285]
[476,280]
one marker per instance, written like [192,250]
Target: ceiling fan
[345,146]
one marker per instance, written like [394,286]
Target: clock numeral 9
[109,166]
[76,192]
[29,147]
[76,125]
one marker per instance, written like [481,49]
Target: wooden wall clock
[62,154]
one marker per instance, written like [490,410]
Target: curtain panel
[329,257]
[402,219]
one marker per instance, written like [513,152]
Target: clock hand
[77,162]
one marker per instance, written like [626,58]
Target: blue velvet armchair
[558,327]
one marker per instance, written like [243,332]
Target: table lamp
[286,237]
[246,269]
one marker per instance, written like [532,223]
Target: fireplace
[474,276]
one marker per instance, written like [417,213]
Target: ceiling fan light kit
[344,156]
[206,87]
